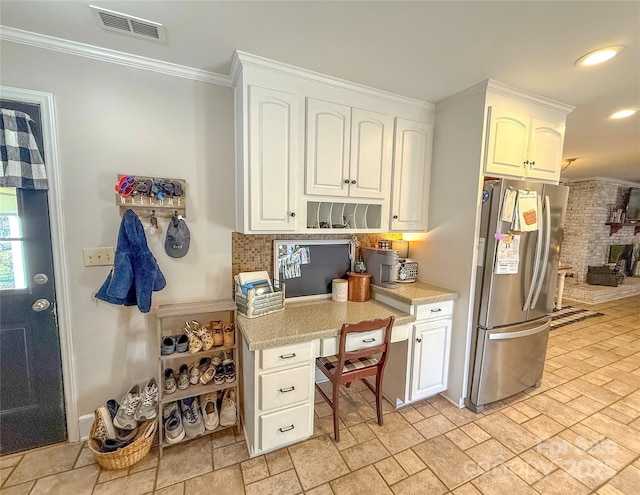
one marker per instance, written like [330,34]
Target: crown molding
[621,182]
[106,55]
[244,59]
[503,89]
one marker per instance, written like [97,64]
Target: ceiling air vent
[116,21]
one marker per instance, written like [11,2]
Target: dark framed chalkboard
[327,259]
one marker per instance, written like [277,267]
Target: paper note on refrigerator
[527,211]
[508,256]
[508,205]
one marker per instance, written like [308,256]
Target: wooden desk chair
[362,353]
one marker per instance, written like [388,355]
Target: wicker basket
[126,456]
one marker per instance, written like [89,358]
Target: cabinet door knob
[526,162]
[395,217]
[419,340]
[292,214]
[532,164]
[346,181]
[353,181]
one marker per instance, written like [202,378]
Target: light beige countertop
[309,320]
[416,293]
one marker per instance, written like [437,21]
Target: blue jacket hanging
[135,274]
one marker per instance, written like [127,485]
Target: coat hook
[153,220]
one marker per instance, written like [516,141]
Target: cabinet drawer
[329,346]
[287,355]
[434,310]
[284,387]
[283,427]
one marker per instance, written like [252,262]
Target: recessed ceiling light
[599,56]
[621,114]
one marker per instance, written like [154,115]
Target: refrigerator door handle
[536,265]
[515,335]
[546,230]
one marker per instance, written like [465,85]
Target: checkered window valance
[22,163]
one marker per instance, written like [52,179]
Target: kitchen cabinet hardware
[287,428]
[353,181]
[288,356]
[436,310]
[419,341]
[395,217]
[293,214]
[289,389]
[346,181]
[366,341]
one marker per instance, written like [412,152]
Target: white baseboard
[84,425]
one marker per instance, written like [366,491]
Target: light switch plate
[98,256]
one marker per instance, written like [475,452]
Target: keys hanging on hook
[153,228]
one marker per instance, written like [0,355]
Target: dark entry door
[32,412]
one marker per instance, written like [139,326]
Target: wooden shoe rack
[171,320]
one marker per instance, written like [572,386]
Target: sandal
[216,329]
[195,344]
[228,335]
[229,370]
[204,333]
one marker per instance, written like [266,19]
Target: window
[12,265]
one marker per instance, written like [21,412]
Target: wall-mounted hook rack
[145,205]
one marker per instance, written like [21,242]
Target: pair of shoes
[228,409]
[229,340]
[216,329]
[218,378]
[208,404]
[179,343]
[137,406]
[199,336]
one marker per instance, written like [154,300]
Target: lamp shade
[402,247]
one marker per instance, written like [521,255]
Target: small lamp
[402,247]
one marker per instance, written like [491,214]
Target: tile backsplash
[254,252]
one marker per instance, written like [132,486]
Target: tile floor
[578,433]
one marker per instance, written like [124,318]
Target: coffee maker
[382,264]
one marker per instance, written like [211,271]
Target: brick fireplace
[587,240]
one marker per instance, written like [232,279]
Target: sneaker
[168,346]
[218,378]
[111,445]
[169,381]
[173,429]
[191,417]
[229,370]
[112,406]
[148,406]
[103,412]
[169,409]
[183,377]
[207,376]
[228,409]
[126,436]
[210,410]
[182,343]
[194,374]
[125,416]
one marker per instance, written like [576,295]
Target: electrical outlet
[98,256]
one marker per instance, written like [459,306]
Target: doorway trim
[52,164]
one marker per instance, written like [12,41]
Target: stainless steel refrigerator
[514,298]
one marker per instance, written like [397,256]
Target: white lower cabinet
[418,367]
[278,399]
[430,359]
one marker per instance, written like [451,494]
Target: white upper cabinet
[411,173]
[315,153]
[523,146]
[272,151]
[348,151]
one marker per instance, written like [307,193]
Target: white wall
[114,119]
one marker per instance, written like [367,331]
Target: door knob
[40,278]
[40,305]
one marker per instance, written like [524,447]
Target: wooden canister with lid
[359,286]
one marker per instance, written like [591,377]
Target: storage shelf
[343,216]
[183,355]
[206,432]
[197,390]
[615,227]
